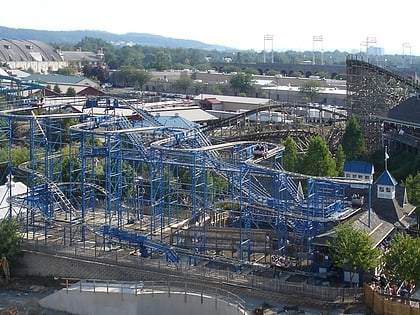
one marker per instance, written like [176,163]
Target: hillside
[72,37]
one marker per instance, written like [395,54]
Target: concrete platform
[102,298]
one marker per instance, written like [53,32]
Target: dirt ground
[21,296]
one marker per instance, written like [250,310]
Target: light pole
[317,38]
[269,38]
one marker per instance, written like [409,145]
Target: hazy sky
[342,25]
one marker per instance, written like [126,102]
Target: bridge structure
[96,174]
[306,70]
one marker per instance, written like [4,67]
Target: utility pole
[269,38]
[369,40]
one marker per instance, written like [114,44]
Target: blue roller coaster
[107,167]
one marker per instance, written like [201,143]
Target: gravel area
[20,297]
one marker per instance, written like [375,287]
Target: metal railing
[246,280]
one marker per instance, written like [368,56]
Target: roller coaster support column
[245,213]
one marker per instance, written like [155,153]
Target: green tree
[403,258]
[216,89]
[412,184]
[353,249]
[323,74]
[18,156]
[96,73]
[318,160]
[163,60]
[141,77]
[241,82]
[340,158]
[290,156]
[198,87]
[57,89]
[126,75]
[67,71]
[230,69]
[309,91]
[10,240]
[149,61]
[353,142]
[183,84]
[71,91]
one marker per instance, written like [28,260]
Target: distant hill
[72,37]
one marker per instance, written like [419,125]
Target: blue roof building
[386,185]
[359,170]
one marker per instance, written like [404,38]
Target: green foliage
[340,158]
[251,71]
[92,44]
[309,91]
[140,78]
[18,156]
[271,72]
[67,71]
[323,74]
[341,76]
[126,75]
[402,164]
[71,92]
[353,249]
[183,84]
[10,240]
[70,165]
[96,73]
[318,160]
[163,60]
[296,74]
[230,69]
[412,184]
[216,89]
[402,260]
[290,156]
[353,143]
[57,89]
[241,82]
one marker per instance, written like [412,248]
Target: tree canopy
[10,239]
[402,260]
[340,158]
[353,142]
[318,160]
[290,156]
[353,249]
[309,91]
[412,184]
[241,82]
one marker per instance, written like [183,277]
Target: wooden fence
[385,304]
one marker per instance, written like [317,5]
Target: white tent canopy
[11,188]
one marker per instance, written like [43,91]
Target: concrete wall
[102,303]
[39,264]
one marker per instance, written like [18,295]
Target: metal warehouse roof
[235,99]
[27,50]
[191,113]
[55,78]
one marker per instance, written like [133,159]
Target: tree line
[161,58]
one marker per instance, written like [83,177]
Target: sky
[321,25]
